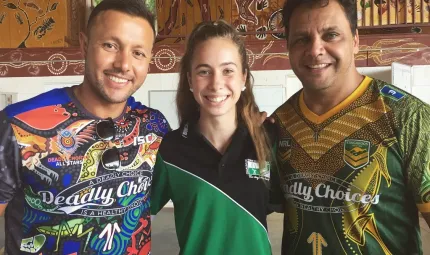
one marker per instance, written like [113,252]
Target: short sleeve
[415,143]
[10,161]
[160,122]
[160,190]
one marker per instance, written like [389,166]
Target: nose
[315,47]
[123,61]
[217,81]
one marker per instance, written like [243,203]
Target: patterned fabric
[60,198]
[355,177]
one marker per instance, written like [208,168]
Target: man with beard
[76,163]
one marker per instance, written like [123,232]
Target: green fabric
[355,188]
[208,222]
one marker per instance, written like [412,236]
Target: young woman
[215,167]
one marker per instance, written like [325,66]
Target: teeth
[217,99]
[118,80]
[318,66]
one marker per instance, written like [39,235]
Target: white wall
[413,79]
[272,88]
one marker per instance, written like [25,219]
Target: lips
[216,99]
[318,66]
[117,79]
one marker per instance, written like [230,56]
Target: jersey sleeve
[161,122]
[160,191]
[415,140]
[10,161]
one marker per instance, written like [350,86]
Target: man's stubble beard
[97,88]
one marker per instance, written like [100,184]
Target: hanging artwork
[392,12]
[36,23]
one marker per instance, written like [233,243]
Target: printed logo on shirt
[94,197]
[284,149]
[66,141]
[56,162]
[392,93]
[148,139]
[356,153]
[253,170]
[284,143]
[326,194]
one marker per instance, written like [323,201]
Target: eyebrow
[222,64]
[117,40]
[304,33]
[331,28]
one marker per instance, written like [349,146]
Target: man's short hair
[349,8]
[134,8]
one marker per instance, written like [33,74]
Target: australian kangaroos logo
[356,153]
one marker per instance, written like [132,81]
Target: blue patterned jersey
[61,200]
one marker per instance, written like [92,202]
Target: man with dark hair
[139,10]
[353,152]
[76,163]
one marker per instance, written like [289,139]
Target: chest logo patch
[253,170]
[66,141]
[356,153]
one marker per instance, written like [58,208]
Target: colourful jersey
[220,200]
[355,177]
[60,198]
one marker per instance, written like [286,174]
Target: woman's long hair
[247,109]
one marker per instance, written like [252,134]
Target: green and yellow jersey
[354,178]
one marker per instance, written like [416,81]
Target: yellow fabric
[317,119]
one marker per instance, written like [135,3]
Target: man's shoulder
[287,105]
[135,105]
[50,98]
[156,119]
[399,100]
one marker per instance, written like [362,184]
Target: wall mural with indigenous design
[255,17]
[271,55]
[405,36]
[388,12]
[28,24]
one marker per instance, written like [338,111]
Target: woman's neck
[218,131]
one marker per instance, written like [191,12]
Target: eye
[331,36]
[301,40]
[203,72]
[228,71]
[109,46]
[139,54]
